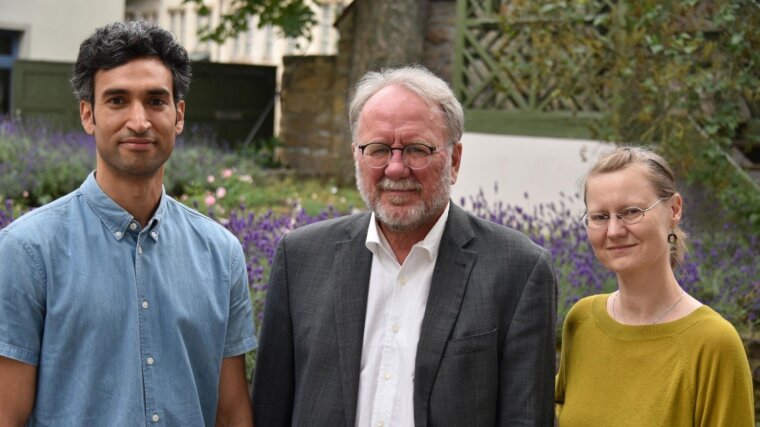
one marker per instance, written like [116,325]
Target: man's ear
[456,161]
[87,116]
[180,117]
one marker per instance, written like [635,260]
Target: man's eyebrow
[120,91]
[159,91]
[114,91]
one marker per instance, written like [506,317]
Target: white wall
[542,167]
[54,29]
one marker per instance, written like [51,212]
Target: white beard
[412,217]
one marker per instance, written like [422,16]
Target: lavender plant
[721,268]
[39,163]
[6,213]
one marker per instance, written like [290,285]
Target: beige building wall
[260,46]
[52,30]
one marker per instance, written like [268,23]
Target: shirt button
[387,375]
[133,226]
[139,249]
[145,305]
[380,423]
[149,361]
[117,234]
[402,281]
[153,234]
[395,328]
[154,418]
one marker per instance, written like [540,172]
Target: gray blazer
[486,350]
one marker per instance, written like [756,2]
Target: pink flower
[221,192]
[25,194]
[210,179]
[209,200]
[226,173]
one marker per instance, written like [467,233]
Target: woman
[649,354]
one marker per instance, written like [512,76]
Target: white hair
[418,79]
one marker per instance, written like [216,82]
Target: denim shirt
[127,325]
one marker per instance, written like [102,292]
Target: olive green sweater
[689,372]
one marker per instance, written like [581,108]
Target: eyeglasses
[629,216]
[415,156]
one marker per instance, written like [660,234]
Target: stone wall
[440,38]
[311,115]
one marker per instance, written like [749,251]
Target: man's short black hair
[118,43]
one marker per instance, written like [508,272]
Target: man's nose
[138,120]
[396,168]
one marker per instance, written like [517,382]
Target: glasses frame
[403,153]
[619,216]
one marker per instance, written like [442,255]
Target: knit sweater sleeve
[578,314]
[722,377]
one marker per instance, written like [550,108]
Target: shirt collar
[430,244]
[113,216]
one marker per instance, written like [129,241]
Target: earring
[672,238]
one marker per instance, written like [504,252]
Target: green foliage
[293,17]
[263,151]
[220,191]
[680,75]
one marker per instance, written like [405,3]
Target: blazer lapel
[351,271]
[447,287]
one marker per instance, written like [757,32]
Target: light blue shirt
[127,325]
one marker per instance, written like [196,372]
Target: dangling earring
[672,238]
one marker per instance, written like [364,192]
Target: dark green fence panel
[232,98]
[42,90]
[227,98]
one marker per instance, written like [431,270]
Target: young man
[118,305]
[417,313]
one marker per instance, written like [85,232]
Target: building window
[291,46]
[249,38]
[236,46]
[9,41]
[177,24]
[325,25]
[182,27]
[268,42]
[202,23]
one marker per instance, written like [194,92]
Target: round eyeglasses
[629,216]
[415,156]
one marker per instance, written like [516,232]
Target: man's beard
[415,216]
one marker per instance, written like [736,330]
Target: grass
[280,192]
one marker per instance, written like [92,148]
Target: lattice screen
[516,55]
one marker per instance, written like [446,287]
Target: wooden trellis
[504,71]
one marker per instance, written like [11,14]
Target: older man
[416,313]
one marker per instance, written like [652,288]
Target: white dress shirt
[395,308]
